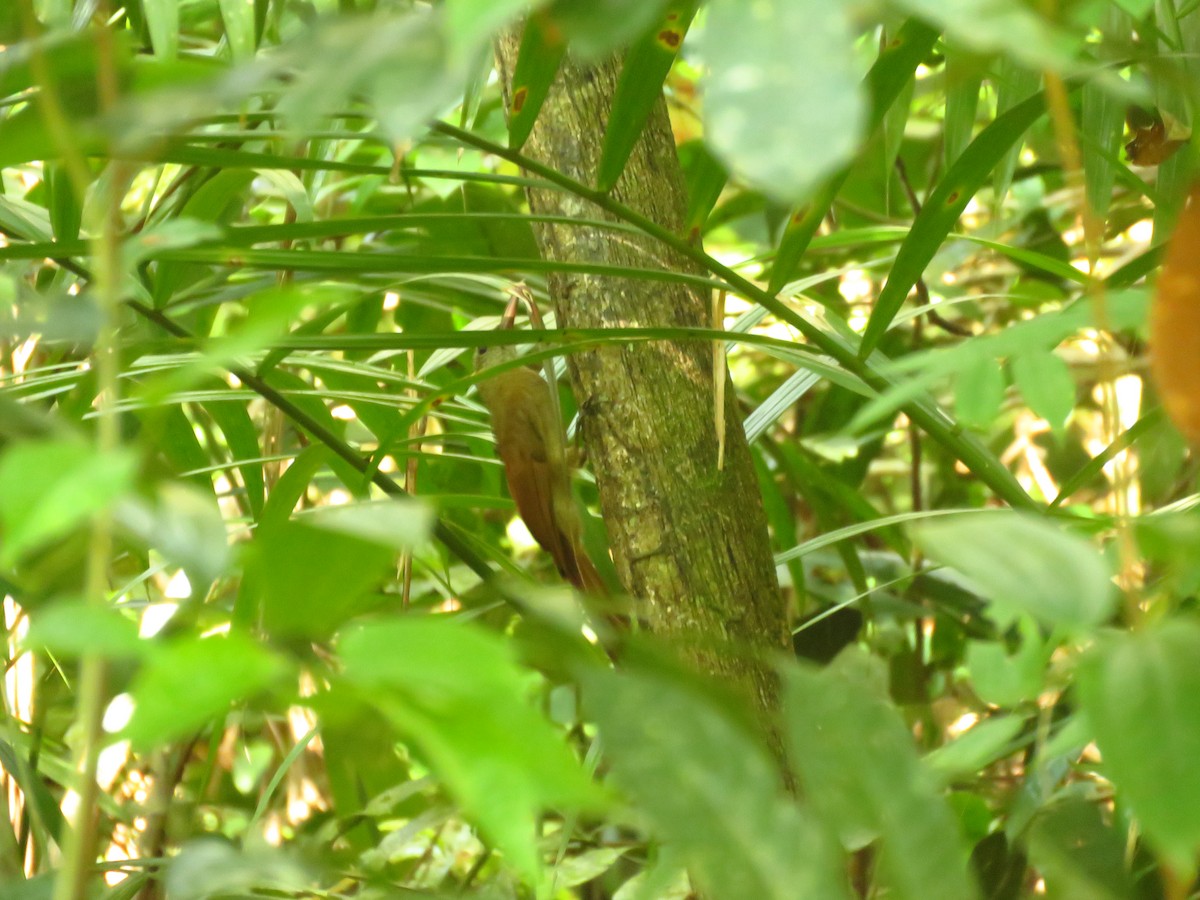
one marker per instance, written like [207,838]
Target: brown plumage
[529,441]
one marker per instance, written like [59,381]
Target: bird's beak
[508,320]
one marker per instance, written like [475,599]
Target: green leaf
[1135,8]
[979,391]
[1024,564]
[189,682]
[66,211]
[1139,693]
[1171,191]
[208,867]
[976,749]
[292,485]
[76,627]
[213,201]
[964,77]
[162,21]
[1013,84]
[238,16]
[1078,854]
[184,524]
[1046,383]
[1126,309]
[859,768]
[597,27]
[399,61]
[179,232]
[705,178]
[999,25]
[709,789]
[175,436]
[782,399]
[311,579]
[885,83]
[456,692]
[292,189]
[1096,464]
[472,23]
[1102,121]
[587,866]
[941,211]
[240,432]
[783,105]
[1005,679]
[640,87]
[541,52]
[397,523]
[50,487]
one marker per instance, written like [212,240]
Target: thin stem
[79,845]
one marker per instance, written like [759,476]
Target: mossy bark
[689,539]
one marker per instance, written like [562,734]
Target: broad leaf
[1025,564]
[783,106]
[188,683]
[1139,692]
[710,789]
[456,692]
[50,487]
[859,768]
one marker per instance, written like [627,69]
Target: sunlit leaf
[162,17]
[979,391]
[50,487]
[396,523]
[989,25]
[238,17]
[942,209]
[640,87]
[541,52]
[1078,853]
[780,129]
[183,525]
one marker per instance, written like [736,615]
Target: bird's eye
[480,351]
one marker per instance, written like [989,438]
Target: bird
[531,445]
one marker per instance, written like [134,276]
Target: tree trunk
[690,541]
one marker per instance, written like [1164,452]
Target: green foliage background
[245,246]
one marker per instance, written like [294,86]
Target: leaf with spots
[542,49]
[646,67]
